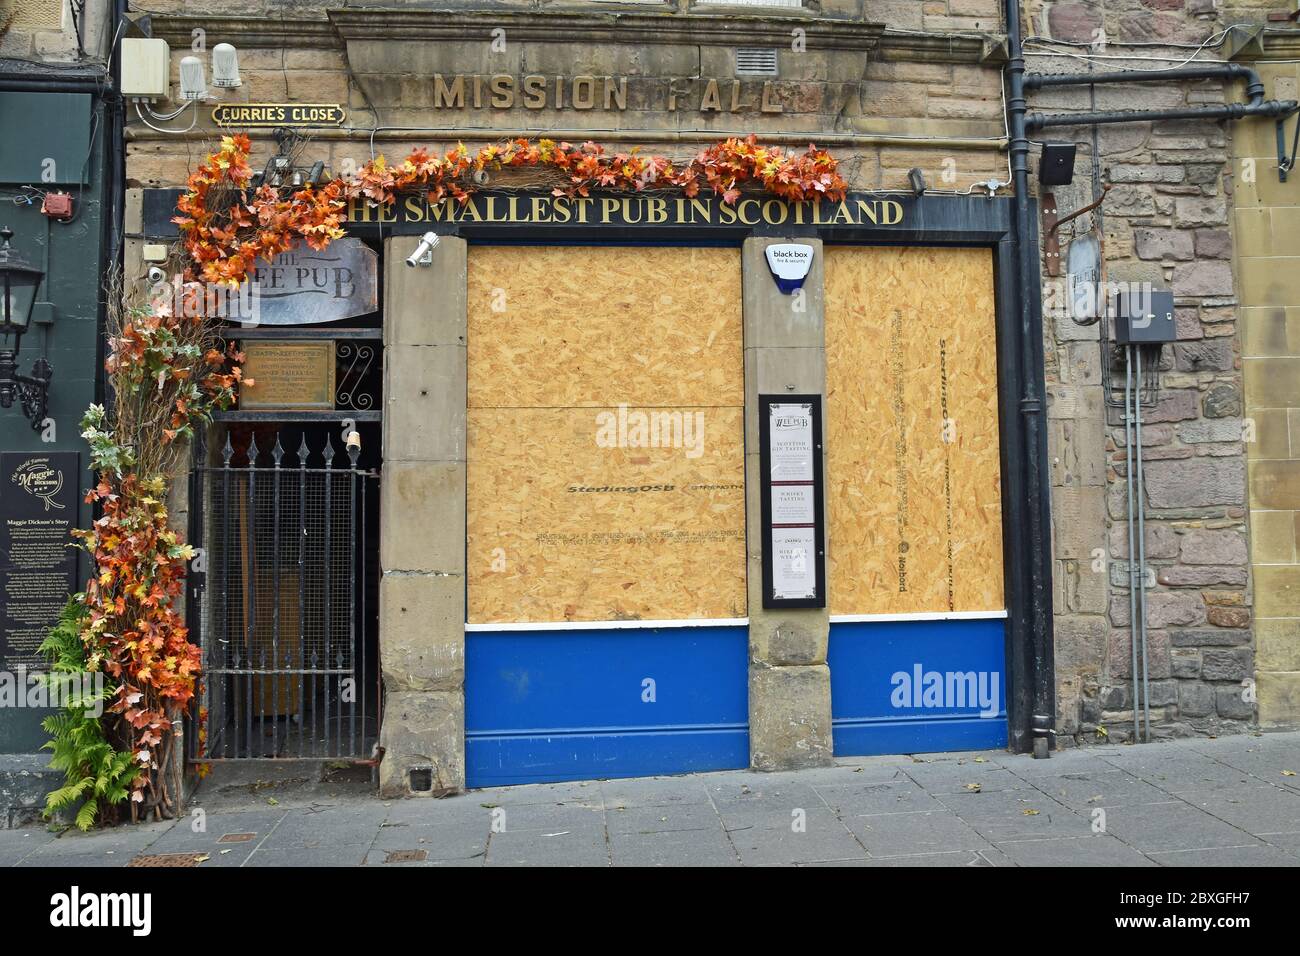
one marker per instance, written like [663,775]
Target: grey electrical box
[1144,318]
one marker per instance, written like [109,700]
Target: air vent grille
[753,61]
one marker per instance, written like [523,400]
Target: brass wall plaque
[288,374]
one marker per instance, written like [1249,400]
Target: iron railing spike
[252,451]
[303,451]
[278,451]
[228,451]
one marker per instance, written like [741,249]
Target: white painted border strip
[921,616]
[608,625]
[728,622]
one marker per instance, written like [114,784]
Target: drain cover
[406,856]
[237,837]
[168,859]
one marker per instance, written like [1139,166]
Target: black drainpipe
[1035,619]
[1257,105]
[114,187]
[26,83]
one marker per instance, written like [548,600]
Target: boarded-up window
[605,434]
[913,491]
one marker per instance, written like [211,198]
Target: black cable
[1288,162]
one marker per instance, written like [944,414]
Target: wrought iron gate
[284,603]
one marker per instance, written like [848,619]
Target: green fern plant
[96,776]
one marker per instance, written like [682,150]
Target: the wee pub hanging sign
[790,458]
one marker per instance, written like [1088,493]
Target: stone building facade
[899,87]
[889,87]
[1182,212]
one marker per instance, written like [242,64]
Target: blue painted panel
[567,705]
[906,686]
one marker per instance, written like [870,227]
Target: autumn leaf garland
[223,243]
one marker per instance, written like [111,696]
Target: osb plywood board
[914,520]
[564,528]
[597,326]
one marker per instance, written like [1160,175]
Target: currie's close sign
[245,115]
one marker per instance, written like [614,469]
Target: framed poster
[794,535]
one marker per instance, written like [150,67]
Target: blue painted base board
[917,686]
[545,706]
[498,760]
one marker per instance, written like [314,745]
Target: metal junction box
[1144,318]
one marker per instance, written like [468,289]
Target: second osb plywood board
[572,516]
[597,325]
[915,520]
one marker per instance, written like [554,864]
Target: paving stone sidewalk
[1232,801]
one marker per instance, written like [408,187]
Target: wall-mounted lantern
[19,281]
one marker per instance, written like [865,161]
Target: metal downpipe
[1142,548]
[1133,581]
[1031,404]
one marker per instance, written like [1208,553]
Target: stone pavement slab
[709,847]
[1099,788]
[908,834]
[1228,856]
[585,846]
[1095,850]
[441,842]
[17,844]
[952,858]
[1232,801]
[1156,827]
[825,838]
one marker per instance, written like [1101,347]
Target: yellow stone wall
[1266,227]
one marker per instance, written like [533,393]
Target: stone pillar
[789,682]
[422,522]
[1266,227]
